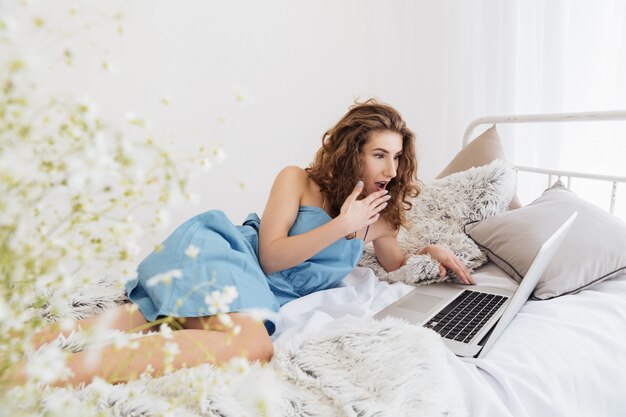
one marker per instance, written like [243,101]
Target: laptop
[471,318]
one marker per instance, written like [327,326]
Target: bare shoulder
[293,174]
[289,185]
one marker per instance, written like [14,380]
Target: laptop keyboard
[466,315]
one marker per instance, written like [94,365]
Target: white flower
[171,349]
[4,311]
[225,319]
[218,155]
[163,217]
[238,365]
[192,251]
[206,164]
[165,277]
[166,331]
[47,365]
[124,340]
[110,67]
[100,387]
[148,372]
[260,314]
[229,294]
[219,301]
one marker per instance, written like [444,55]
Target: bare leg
[196,345]
[124,317]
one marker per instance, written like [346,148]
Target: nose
[390,168]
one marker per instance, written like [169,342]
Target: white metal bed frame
[556,117]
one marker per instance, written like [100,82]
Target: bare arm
[391,257]
[278,251]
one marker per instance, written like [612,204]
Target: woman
[311,235]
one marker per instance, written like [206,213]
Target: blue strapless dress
[229,256]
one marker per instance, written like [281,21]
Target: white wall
[439,62]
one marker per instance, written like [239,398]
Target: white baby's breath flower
[218,155]
[163,217]
[230,294]
[225,319]
[192,251]
[165,277]
[100,387]
[124,340]
[4,311]
[171,349]
[218,301]
[47,365]
[166,331]
[242,98]
[259,314]
[110,67]
[206,164]
[148,372]
[238,365]
[67,323]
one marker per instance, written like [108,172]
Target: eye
[397,156]
[379,156]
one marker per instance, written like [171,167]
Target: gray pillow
[594,250]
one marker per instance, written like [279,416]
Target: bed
[563,355]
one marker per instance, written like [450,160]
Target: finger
[358,189]
[442,271]
[461,274]
[380,207]
[373,219]
[375,195]
[466,273]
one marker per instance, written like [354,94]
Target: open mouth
[381,185]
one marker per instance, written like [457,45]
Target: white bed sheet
[561,357]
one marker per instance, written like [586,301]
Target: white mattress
[561,357]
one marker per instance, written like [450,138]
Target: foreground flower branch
[76,196]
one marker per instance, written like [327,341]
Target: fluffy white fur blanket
[439,215]
[354,368]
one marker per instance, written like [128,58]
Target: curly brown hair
[338,163]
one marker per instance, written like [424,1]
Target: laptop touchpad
[420,302]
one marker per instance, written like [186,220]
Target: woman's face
[381,154]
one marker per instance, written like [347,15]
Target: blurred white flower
[218,155]
[166,331]
[238,365]
[230,294]
[8,24]
[171,349]
[165,277]
[163,217]
[123,340]
[148,372]
[4,311]
[110,67]
[219,301]
[225,320]
[260,314]
[192,251]
[47,365]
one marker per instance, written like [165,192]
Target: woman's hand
[358,214]
[447,259]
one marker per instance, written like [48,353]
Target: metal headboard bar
[556,117]
[543,118]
